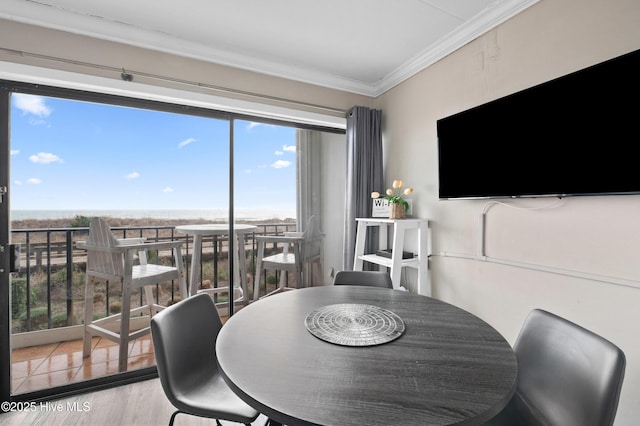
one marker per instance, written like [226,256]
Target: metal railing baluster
[53,249]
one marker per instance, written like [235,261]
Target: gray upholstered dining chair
[363,278]
[567,375]
[184,339]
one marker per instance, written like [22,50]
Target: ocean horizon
[205,214]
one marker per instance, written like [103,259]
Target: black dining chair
[567,375]
[363,278]
[184,339]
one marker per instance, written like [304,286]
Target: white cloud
[279,153]
[45,158]
[280,164]
[289,148]
[132,175]
[167,189]
[248,171]
[15,151]
[31,104]
[17,182]
[186,142]
[253,124]
[34,181]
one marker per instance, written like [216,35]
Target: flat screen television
[575,135]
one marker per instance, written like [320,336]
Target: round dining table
[436,364]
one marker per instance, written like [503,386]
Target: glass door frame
[5,236]
[6,89]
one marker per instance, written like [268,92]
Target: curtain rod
[127,75]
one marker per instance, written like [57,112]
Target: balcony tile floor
[57,364]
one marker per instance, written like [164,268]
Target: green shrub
[80,221]
[19,297]
[39,317]
[152,256]
[59,276]
[59,320]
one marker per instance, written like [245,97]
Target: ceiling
[361,46]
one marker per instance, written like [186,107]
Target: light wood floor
[142,403]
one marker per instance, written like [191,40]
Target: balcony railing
[48,292]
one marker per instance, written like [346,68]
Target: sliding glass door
[146,167]
[265,171]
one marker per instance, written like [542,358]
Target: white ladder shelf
[396,263]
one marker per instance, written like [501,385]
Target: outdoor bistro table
[311,357]
[202,230]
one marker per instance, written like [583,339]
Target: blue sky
[70,155]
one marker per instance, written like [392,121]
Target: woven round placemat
[351,324]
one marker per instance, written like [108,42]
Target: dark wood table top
[448,367]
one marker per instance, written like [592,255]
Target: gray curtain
[364,174]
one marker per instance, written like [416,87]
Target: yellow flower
[394,195]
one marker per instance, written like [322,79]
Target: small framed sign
[382,207]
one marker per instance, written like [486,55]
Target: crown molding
[42,15]
[45,16]
[479,25]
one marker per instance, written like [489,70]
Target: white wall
[584,252]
